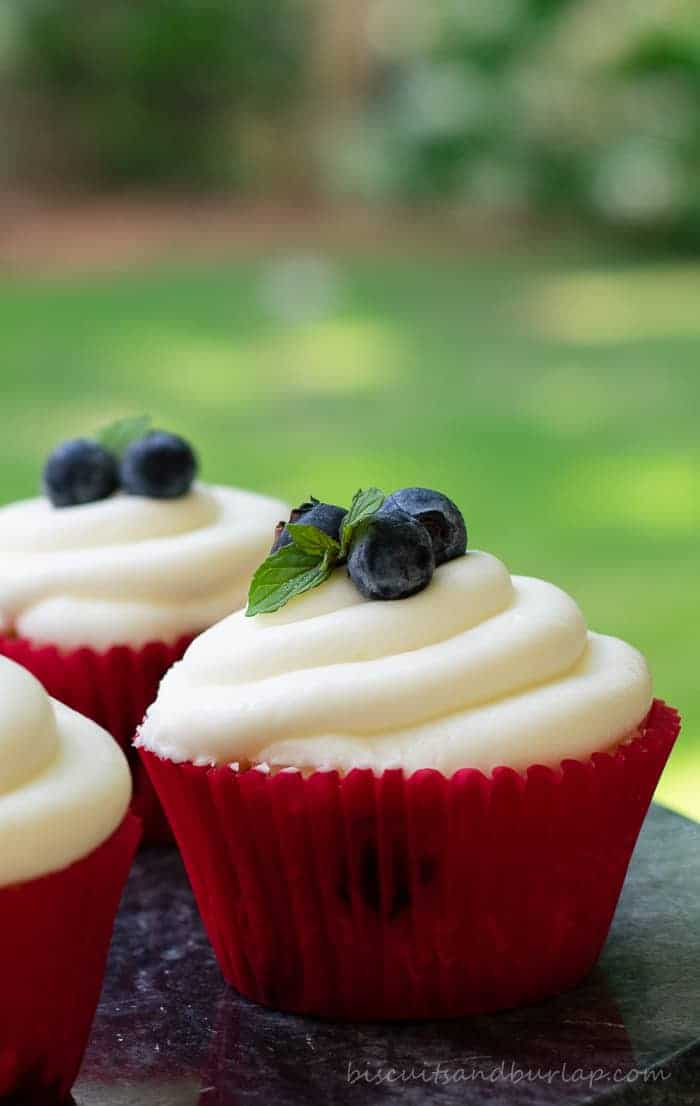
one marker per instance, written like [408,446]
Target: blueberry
[159,465]
[441,517]
[282,538]
[79,471]
[393,556]
[324,516]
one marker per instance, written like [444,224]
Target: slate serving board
[169,1032]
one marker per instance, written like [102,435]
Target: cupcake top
[472,668]
[126,547]
[64,782]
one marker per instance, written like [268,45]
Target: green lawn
[557,401]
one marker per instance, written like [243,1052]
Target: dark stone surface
[169,1032]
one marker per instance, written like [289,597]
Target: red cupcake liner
[114,688]
[385,896]
[54,938]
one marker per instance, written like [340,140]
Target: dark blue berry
[441,517]
[296,513]
[79,471]
[392,557]
[159,465]
[324,516]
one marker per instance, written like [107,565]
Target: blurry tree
[572,106]
[585,107]
[183,92]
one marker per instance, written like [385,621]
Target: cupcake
[108,576]
[410,786]
[67,841]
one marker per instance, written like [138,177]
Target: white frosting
[478,670]
[64,782]
[127,569]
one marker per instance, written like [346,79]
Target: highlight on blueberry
[327,517]
[159,465]
[79,471]
[392,557]
[439,515]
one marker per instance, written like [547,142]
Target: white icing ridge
[129,569]
[64,782]
[480,669]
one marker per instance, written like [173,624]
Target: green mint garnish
[363,506]
[286,573]
[116,437]
[312,540]
[309,558]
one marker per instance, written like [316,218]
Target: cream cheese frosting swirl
[480,669]
[64,782]
[128,569]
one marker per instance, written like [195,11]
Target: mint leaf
[288,572]
[312,540]
[364,505]
[309,558]
[116,437]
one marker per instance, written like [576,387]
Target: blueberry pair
[158,465]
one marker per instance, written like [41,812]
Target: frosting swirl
[127,570]
[478,670]
[64,782]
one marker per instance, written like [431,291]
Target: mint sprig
[118,436]
[312,540]
[309,558]
[288,572]
[364,505]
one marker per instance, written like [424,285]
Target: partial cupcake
[67,841]
[107,577]
[407,787]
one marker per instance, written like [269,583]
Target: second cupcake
[107,577]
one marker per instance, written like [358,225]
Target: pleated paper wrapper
[54,938]
[384,896]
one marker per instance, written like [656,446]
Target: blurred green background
[382,241]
